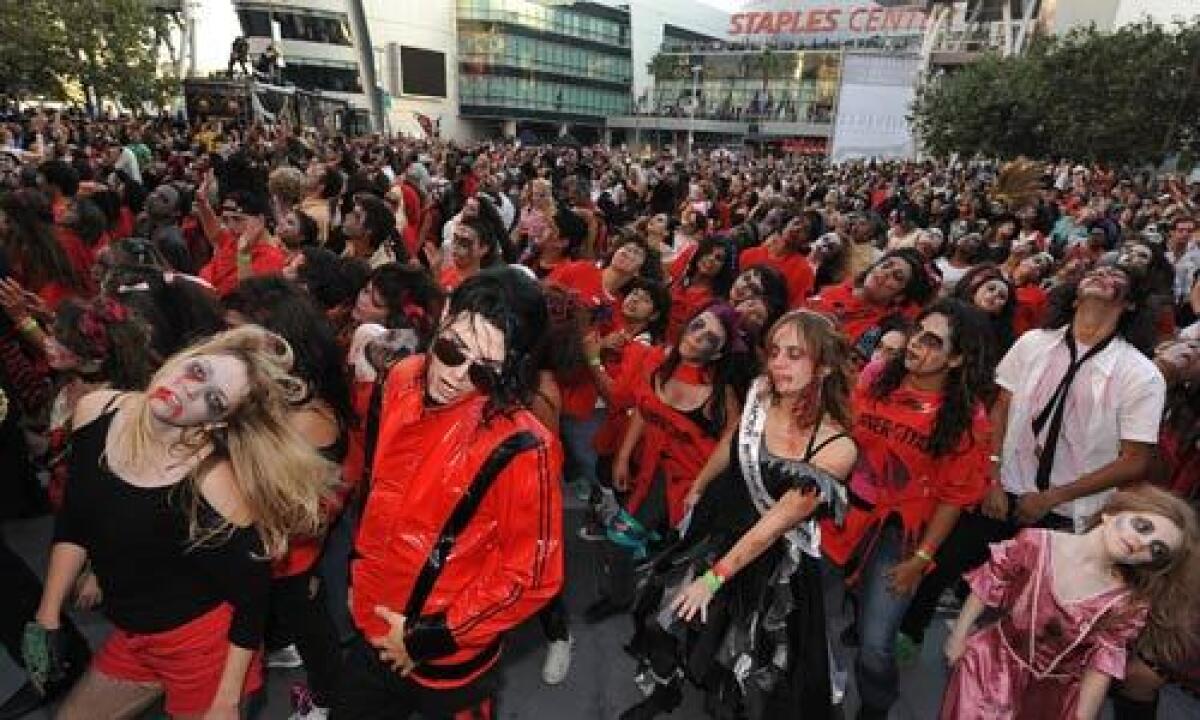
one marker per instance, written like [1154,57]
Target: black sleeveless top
[153,577]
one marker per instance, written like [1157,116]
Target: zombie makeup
[702,339]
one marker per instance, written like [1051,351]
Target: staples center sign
[854,19]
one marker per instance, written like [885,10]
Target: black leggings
[299,615]
[369,690]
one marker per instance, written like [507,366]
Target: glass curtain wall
[774,86]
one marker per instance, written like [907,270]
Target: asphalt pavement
[600,683]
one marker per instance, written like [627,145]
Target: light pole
[695,103]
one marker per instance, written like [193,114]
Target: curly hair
[1136,325]
[966,386]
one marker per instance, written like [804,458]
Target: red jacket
[505,564]
[222,271]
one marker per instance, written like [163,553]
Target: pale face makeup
[702,340]
[887,280]
[464,247]
[479,341]
[1135,256]
[789,365]
[930,347]
[991,296]
[203,389]
[826,246]
[1182,358]
[1140,538]
[747,285]
[1104,283]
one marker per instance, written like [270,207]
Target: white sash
[805,537]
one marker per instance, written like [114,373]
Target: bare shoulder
[219,488]
[89,407]
[838,456]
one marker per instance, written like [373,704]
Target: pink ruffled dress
[1029,665]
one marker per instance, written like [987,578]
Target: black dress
[763,651]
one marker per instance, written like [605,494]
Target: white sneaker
[285,657]
[315,712]
[558,661]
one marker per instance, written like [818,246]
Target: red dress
[1029,665]
[674,444]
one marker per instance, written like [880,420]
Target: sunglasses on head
[485,377]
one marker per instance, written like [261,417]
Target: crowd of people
[296,398]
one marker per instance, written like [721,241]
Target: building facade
[479,68]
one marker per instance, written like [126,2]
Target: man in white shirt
[1077,415]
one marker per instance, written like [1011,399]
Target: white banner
[874,102]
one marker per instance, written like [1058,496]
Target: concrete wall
[426,24]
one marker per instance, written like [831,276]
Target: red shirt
[895,472]
[795,268]
[855,314]
[450,278]
[1031,309]
[222,271]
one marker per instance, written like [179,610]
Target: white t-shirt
[1117,395]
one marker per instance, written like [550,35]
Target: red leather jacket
[505,564]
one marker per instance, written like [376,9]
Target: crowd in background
[761,374]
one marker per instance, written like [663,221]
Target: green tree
[33,50]
[55,49]
[1126,96]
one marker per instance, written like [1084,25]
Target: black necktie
[1057,405]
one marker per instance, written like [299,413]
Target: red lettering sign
[872,19]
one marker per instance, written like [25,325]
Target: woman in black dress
[737,606]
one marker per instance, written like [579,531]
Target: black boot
[664,699]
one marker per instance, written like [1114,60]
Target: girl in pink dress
[1069,608]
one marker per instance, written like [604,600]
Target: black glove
[44,653]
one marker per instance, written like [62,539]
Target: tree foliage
[55,50]
[1128,96]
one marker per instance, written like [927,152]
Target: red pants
[186,661]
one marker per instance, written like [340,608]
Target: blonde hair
[279,475]
[1169,588]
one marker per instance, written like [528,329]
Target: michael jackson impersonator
[461,536]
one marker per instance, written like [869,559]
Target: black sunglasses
[484,377]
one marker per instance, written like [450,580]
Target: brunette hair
[1002,324]
[731,369]
[1136,325]
[1170,587]
[966,386]
[829,350]
[919,287]
[104,333]
[724,279]
[32,248]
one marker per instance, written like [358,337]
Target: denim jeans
[879,615]
[577,436]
